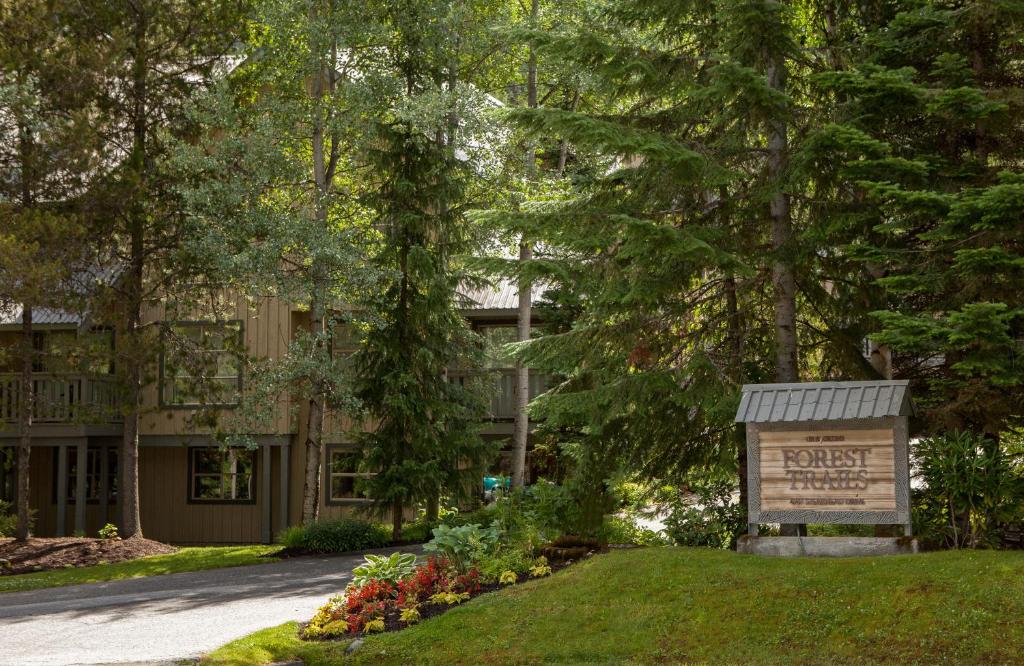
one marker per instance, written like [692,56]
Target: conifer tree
[425,441]
[926,150]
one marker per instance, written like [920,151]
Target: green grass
[186,559]
[681,605]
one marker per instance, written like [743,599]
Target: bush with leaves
[463,545]
[970,488]
[334,536]
[708,515]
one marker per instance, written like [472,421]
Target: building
[191,490]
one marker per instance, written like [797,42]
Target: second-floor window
[201,364]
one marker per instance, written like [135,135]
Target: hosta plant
[390,568]
[508,578]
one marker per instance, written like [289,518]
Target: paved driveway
[162,618]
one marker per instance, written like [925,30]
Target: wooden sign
[847,470]
[827,452]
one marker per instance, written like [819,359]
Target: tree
[158,55]
[274,190]
[48,149]
[927,200]
[426,441]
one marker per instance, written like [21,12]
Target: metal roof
[41,316]
[823,401]
[502,296]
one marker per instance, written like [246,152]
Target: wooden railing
[503,399]
[61,398]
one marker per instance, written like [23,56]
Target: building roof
[504,295]
[82,282]
[41,316]
[823,401]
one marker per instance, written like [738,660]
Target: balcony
[62,399]
[503,400]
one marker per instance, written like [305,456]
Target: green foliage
[625,530]
[108,531]
[508,577]
[409,615]
[339,535]
[390,568]
[8,519]
[462,546]
[971,488]
[448,598]
[707,515]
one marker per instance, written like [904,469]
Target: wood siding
[267,329]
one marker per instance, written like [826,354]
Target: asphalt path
[163,619]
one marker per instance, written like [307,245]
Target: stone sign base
[825,546]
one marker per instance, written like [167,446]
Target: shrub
[709,517]
[391,568]
[971,488]
[334,536]
[8,519]
[623,529]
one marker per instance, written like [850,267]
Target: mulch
[47,554]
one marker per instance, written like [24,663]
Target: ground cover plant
[671,605]
[183,559]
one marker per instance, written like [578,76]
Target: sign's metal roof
[823,401]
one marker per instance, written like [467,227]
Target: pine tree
[157,56]
[49,153]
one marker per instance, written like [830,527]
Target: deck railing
[61,398]
[503,399]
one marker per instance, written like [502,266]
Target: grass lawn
[186,559]
[685,605]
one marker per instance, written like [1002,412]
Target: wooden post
[62,490]
[268,505]
[104,488]
[285,491]
[81,470]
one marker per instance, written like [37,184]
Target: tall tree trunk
[27,394]
[563,145]
[396,520]
[783,277]
[25,408]
[128,491]
[314,431]
[521,426]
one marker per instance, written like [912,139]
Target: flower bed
[433,588]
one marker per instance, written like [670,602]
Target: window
[201,364]
[221,475]
[345,483]
[344,341]
[94,460]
